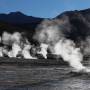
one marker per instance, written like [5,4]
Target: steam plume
[15,45]
[54,34]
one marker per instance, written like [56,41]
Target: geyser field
[64,38]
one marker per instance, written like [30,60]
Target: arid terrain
[16,74]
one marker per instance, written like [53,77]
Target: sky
[42,8]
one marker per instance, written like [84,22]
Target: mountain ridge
[18,17]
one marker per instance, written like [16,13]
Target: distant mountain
[17,21]
[77,23]
[18,17]
[85,12]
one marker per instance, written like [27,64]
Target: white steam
[52,33]
[15,45]
[43,50]
[15,50]
[67,50]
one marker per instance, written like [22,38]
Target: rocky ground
[26,76]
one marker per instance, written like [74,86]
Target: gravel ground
[47,77]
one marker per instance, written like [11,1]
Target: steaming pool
[21,74]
